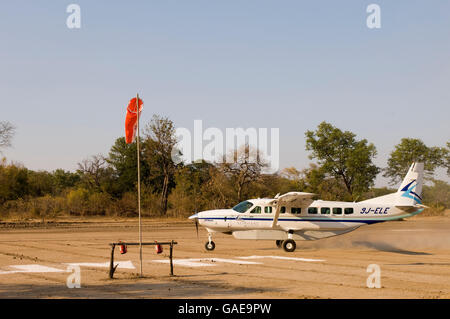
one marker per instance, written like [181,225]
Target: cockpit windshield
[242,207]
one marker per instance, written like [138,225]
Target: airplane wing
[298,199]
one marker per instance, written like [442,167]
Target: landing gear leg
[210,244]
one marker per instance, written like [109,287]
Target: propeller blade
[196,226]
[195,218]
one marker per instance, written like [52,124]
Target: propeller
[196,226]
[195,218]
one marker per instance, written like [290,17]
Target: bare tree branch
[7,131]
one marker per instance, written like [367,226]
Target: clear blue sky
[286,64]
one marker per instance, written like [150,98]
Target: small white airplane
[296,216]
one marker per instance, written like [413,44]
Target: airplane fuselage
[319,216]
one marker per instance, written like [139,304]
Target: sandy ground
[413,256]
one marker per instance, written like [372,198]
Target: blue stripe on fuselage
[301,220]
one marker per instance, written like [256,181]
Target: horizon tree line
[343,169]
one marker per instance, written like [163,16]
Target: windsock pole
[139,185]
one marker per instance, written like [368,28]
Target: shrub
[77,201]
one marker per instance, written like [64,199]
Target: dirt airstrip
[413,256]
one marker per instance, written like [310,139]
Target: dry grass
[435,212]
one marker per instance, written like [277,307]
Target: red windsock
[131,120]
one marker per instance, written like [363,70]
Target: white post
[139,185]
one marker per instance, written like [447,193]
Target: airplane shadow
[387,248]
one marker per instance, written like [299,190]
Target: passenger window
[312,210]
[268,209]
[337,211]
[325,210]
[283,210]
[256,210]
[295,210]
[348,211]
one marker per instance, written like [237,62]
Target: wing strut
[277,214]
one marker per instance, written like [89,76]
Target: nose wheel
[210,245]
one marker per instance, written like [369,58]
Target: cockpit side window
[256,210]
[242,207]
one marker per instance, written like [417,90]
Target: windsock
[131,120]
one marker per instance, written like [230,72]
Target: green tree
[63,180]
[412,150]
[13,182]
[437,195]
[123,159]
[40,183]
[219,191]
[315,180]
[189,193]
[343,157]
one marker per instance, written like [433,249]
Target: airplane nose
[193,216]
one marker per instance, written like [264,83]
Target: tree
[13,181]
[189,194]
[315,180]
[63,180]
[412,150]
[288,180]
[219,191]
[246,167]
[158,145]
[40,183]
[93,172]
[437,195]
[7,131]
[310,178]
[344,157]
[291,173]
[447,158]
[123,159]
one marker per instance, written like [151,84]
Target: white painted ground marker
[30,269]
[35,268]
[200,262]
[121,264]
[197,262]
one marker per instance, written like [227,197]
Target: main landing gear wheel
[210,245]
[279,243]
[289,245]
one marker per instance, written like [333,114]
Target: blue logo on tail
[408,192]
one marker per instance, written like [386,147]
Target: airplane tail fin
[410,191]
